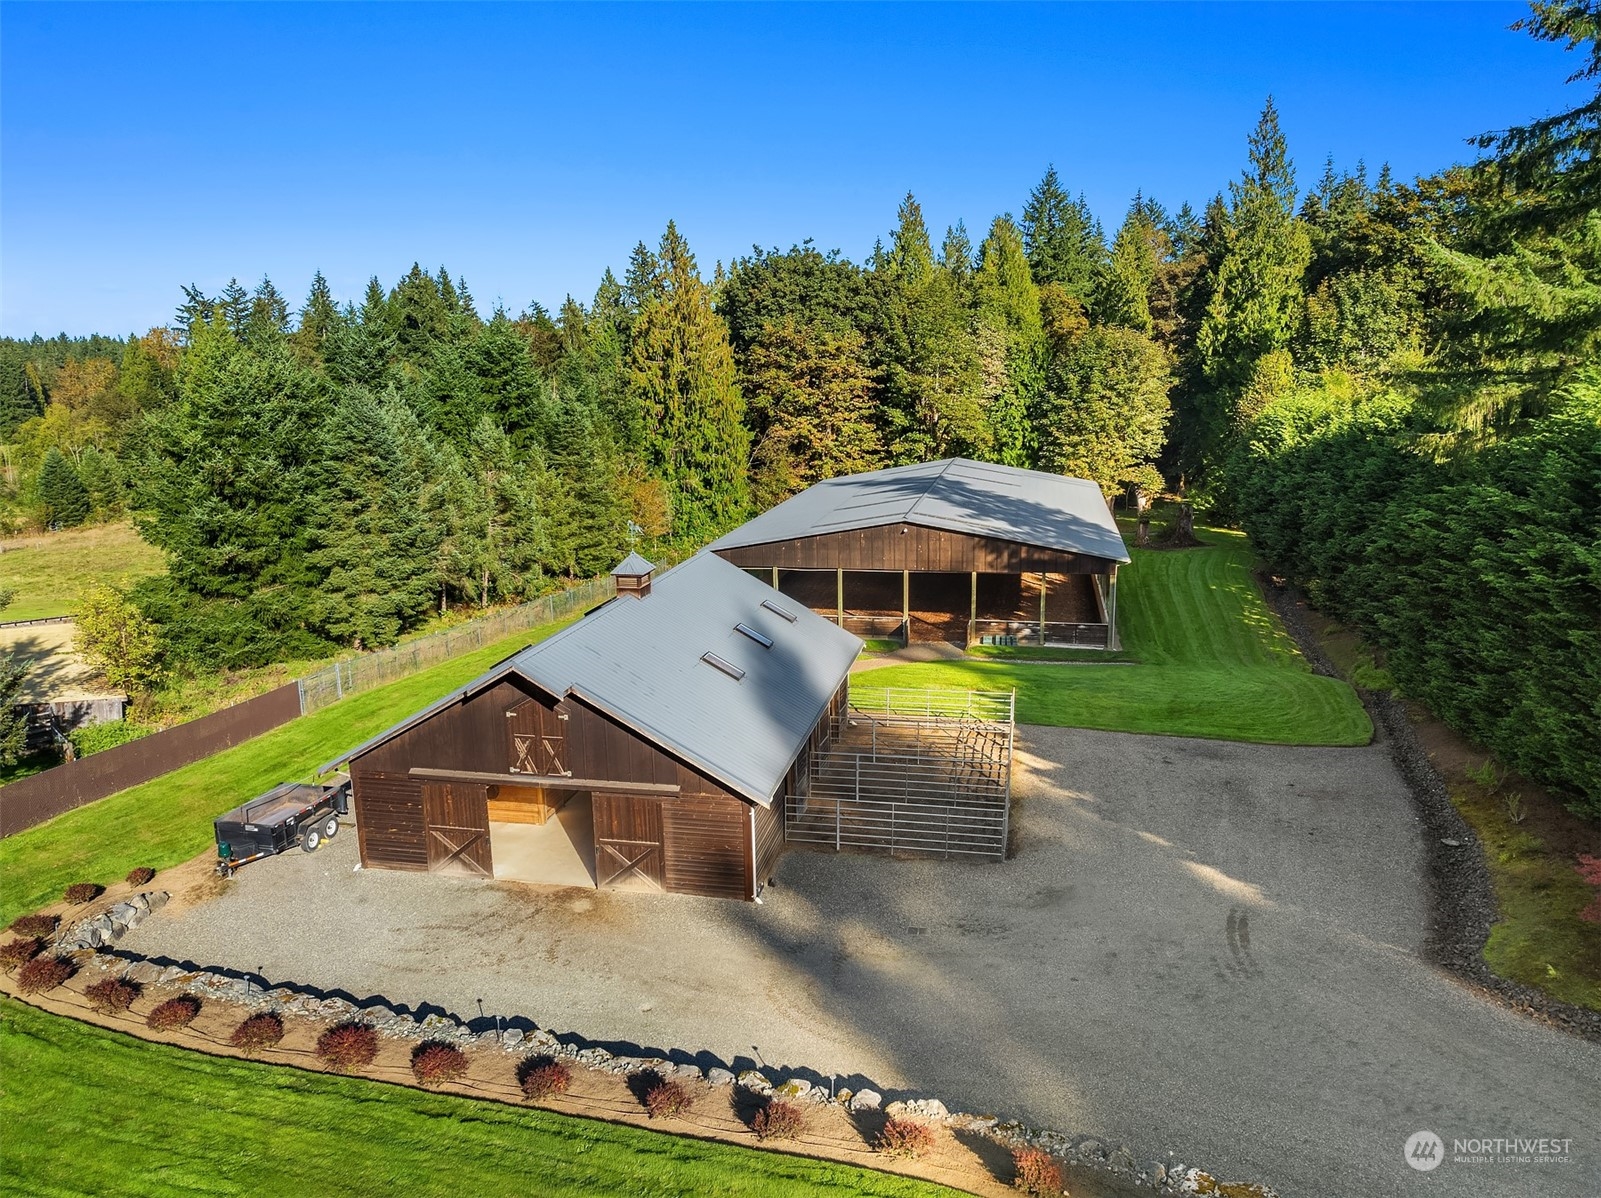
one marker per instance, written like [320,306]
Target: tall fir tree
[371,541]
[1123,288]
[319,317]
[681,368]
[64,500]
[1011,339]
[1061,238]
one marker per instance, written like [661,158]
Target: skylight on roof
[778,611]
[727,667]
[761,638]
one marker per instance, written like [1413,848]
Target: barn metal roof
[643,662]
[632,566]
[956,494]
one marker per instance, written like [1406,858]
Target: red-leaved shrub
[138,877]
[665,1099]
[18,953]
[1590,870]
[258,1032]
[778,1120]
[111,995]
[1037,1173]
[43,973]
[35,925]
[348,1045]
[435,1063]
[174,1013]
[909,1138]
[83,892]
[540,1077]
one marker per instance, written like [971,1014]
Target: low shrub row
[353,1045]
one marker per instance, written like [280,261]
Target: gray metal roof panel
[640,661]
[633,564]
[955,494]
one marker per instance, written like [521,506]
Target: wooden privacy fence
[35,799]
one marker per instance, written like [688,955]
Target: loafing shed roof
[957,495]
[713,666]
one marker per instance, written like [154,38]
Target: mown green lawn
[50,572]
[89,1111]
[1213,662]
[168,820]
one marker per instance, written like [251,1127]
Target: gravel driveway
[1201,947]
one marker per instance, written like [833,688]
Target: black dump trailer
[292,813]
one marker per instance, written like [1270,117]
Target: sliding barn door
[456,815]
[628,841]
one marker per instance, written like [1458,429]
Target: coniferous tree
[65,501]
[15,715]
[319,318]
[269,314]
[1011,339]
[681,368]
[235,306]
[1123,288]
[1061,238]
[372,543]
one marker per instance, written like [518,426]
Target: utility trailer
[291,813]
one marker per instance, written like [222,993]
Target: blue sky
[528,147]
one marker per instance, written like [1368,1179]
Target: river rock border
[1462,902]
[520,1036]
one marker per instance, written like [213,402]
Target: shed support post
[839,595]
[775,578]
[1044,578]
[1111,612]
[906,605]
[972,619]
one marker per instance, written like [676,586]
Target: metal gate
[908,772]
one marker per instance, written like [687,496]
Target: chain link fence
[332,683]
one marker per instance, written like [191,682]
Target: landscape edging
[1166,1176]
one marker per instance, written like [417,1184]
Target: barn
[954,550]
[650,745]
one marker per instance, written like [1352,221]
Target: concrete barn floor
[1202,947]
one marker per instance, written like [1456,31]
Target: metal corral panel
[981,498]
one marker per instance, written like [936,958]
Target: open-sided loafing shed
[954,550]
[650,744]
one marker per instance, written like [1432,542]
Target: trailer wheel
[311,839]
[330,827]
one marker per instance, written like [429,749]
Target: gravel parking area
[1202,947]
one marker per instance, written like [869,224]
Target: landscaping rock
[756,1081]
[512,1037]
[795,1087]
[719,1077]
[594,1057]
[143,972]
[865,1100]
[156,899]
[687,1073]
[920,1108]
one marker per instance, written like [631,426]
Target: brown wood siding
[912,547]
[389,820]
[706,843]
[769,838]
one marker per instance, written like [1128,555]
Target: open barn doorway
[543,836]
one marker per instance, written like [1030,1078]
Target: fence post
[339,682]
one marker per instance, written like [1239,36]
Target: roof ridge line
[949,462]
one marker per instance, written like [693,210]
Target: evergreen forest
[1393,386]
